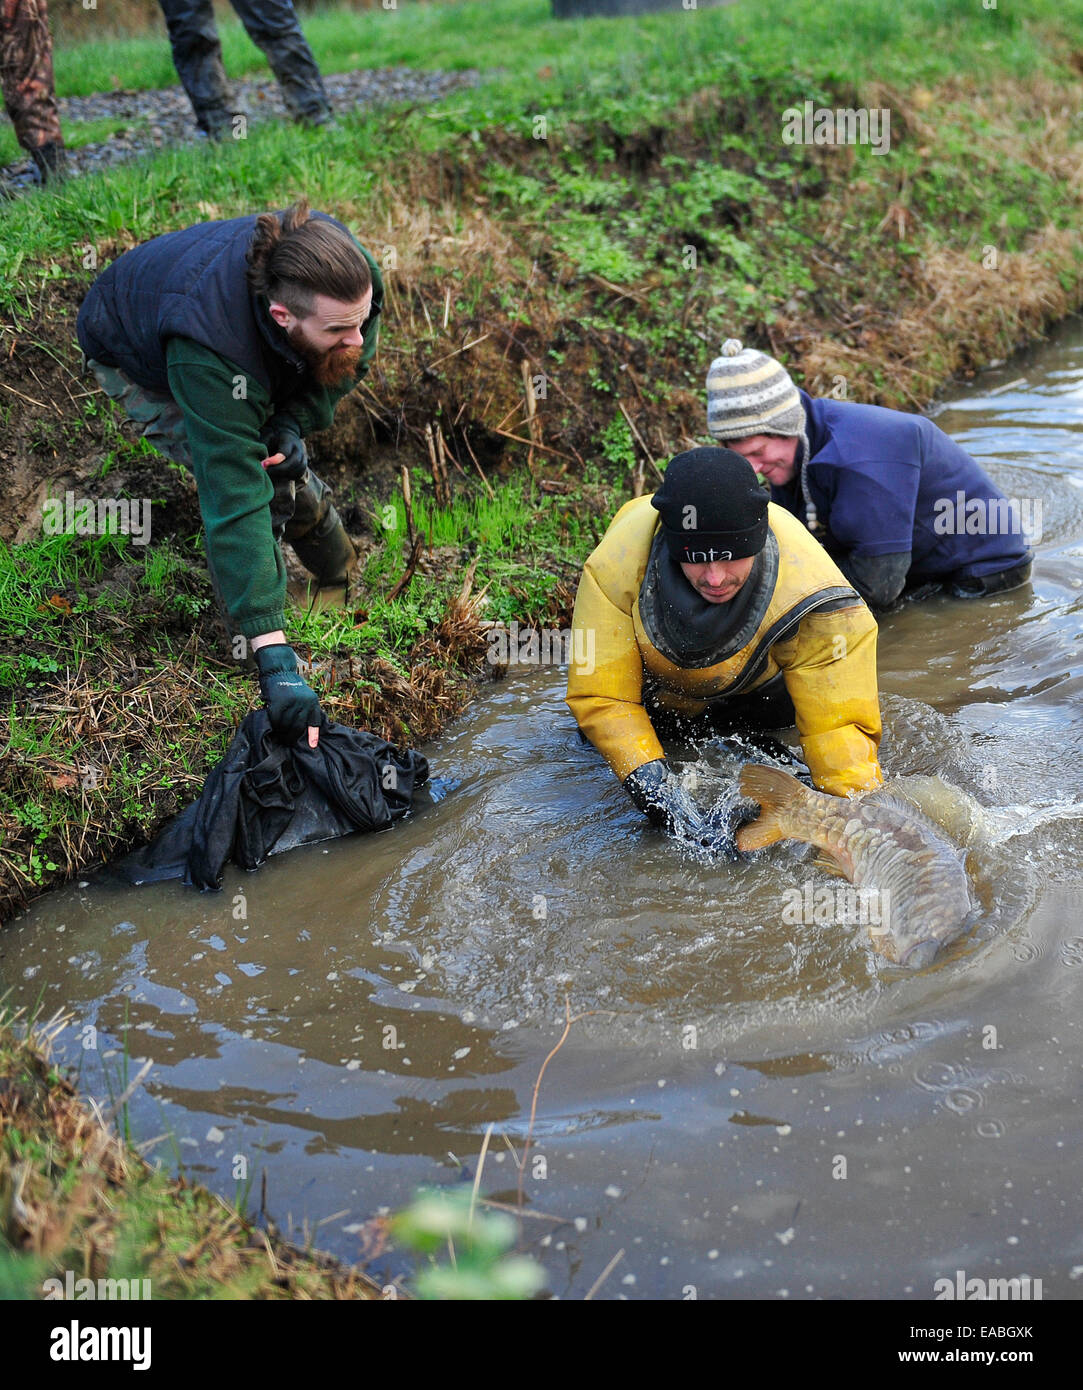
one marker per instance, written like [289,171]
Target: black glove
[721,824]
[291,704]
[285,440]
[659,795]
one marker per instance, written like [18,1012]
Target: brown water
[753,1108]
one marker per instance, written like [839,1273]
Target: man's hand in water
[658,793]
[722,822]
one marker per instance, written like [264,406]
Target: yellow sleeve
[830,672]
[605,682]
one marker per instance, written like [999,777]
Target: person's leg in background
[197,56]
[26,77]
[273,26]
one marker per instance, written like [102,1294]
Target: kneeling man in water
[707,600]
[901,508]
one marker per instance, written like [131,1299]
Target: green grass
[600,56]
[519,542]
[762,58]
[54,563]
[47,600]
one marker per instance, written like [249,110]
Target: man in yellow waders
[707,600]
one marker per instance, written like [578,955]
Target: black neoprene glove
[659,795]
[285,440]
[721,824]
[879,579]
[292,705]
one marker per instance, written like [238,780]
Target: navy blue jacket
[885,482]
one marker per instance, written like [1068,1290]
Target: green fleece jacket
[235,490]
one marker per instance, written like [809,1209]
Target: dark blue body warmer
[187,284]
[884,482]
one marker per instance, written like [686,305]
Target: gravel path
[165,117]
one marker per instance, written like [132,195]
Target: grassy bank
[121,694]
[613,201]
[77,1203]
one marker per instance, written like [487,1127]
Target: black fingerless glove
[291,705]
[284,440]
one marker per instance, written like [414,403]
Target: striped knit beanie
[750,393]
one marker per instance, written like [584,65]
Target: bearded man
[228,342]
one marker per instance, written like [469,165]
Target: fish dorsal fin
[777,794]
[903,806]
[953,810]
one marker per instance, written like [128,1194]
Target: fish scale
[878,843]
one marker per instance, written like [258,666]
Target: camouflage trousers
[26,73]
[271,25]
[302,510]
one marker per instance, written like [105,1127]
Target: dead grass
[966,315]
[957,306]
[74,1197]
[82,746]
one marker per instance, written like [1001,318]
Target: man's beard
[328,368]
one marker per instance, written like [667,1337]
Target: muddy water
[748,1107]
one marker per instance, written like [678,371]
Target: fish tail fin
[778,795]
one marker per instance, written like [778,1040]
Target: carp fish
[883,845]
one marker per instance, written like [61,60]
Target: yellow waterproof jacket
[827,659]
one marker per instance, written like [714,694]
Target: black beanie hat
[712,507]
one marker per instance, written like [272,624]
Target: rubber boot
[216,122]
[328,553]
[51,160]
